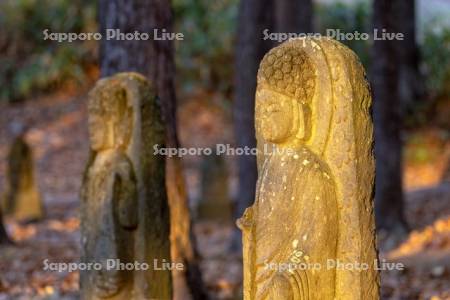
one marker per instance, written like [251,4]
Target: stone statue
[314,204]
[22,199]
[124,214]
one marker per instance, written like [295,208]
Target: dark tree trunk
[254,17]
[387,119]
[411,83]
[293,16]
[155,59]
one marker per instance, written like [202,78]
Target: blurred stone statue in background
[22,199]
[125,216]
[314,202]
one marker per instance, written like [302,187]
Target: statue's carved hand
[280,288]
[125,194]
[246,221]
[108,283]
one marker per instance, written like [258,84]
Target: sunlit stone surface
[314,201]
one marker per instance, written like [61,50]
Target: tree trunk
[411,83]
[254,17]
[293,16]
[155,60]
[387,119]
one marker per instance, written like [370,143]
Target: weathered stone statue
[125,214]
[314,193]
[22,200]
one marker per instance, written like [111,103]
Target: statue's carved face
[277,116]
[98,131]
[109,122]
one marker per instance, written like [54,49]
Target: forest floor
[59,139]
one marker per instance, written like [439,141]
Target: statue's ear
[305,120]
[301,131]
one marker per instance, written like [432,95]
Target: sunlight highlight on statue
[314,191]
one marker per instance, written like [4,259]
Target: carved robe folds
[314,192]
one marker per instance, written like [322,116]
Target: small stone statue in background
[125,216]
[314,203]
[22,200]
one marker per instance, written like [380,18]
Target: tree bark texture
[411,83]
[387,119]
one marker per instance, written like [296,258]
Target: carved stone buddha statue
[313,200]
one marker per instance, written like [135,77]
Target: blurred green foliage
[434,47]
[29,63]
[435,52]
[348,18]
[205,58]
